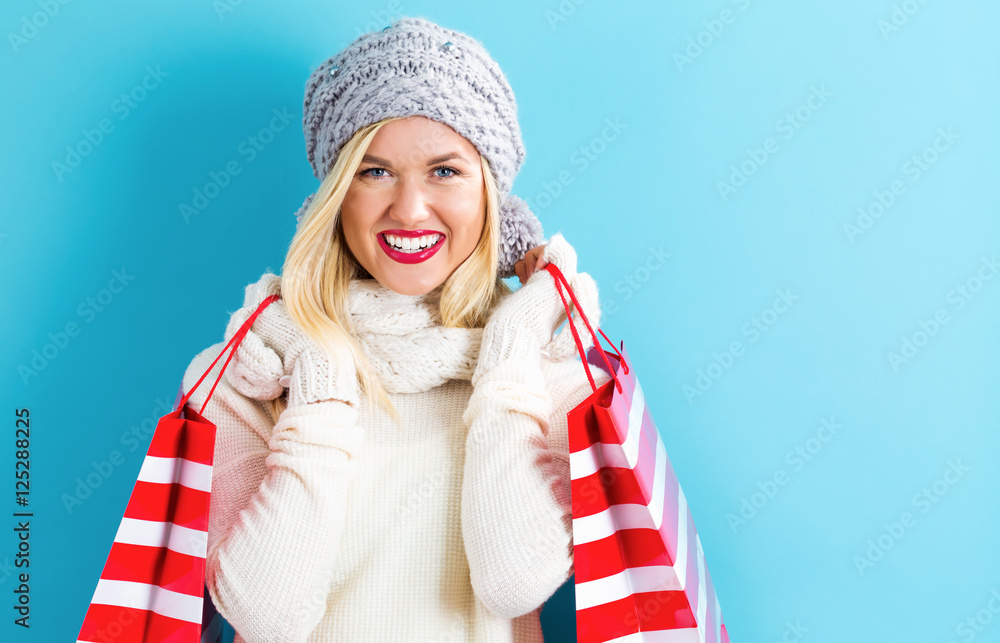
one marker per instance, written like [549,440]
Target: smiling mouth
[421,248]
[408,245]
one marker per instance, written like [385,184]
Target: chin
[411,287]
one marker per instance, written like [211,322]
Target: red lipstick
[410,257]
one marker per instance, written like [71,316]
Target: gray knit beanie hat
[415,67]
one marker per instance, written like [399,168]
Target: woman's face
[419,185]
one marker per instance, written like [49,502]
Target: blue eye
[453,171]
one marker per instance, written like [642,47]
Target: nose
[410,205]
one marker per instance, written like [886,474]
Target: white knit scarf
[405,340]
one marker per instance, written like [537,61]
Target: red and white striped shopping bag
[640,572]
[152,588]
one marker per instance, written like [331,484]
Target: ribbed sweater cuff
[316,377]
[316,431]
[507,343]
[515,383]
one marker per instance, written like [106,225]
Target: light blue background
[652,186]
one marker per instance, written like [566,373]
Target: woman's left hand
[532,261]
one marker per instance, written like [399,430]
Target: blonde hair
[319,267]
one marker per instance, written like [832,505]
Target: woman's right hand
[276,353]
[531,314]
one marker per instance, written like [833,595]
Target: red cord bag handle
[237,338]
[561,282]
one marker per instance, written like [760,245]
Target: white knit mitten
[255,369]
[276,353]
[524,322]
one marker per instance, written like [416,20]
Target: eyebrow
[369,158]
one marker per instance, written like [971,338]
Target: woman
[412,482]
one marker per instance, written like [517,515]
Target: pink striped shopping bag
[640,572]
[152,588]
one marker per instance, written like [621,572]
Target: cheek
[469,219]
[355,215]
[467,231]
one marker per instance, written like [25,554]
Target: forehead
[418,138]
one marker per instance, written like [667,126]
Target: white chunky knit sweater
[336,524]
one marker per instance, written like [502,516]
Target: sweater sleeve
[277,506]
[517,521]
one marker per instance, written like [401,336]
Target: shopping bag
[640,571]
[213,626]
[152,588]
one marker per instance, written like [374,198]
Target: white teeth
[409,244]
